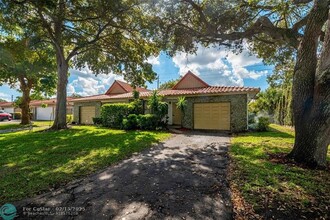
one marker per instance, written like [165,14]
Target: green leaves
[29,64]
[157,106]
[181,104]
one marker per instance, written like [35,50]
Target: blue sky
[214,65]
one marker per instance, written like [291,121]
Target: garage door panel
[9,110]
[87,113]
[45,114]
[213,116]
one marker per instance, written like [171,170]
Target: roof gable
[116,88]
[119,87]
[190,81]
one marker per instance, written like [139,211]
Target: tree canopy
[169,84]
[30,67]
[107,36]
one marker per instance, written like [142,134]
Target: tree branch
[298,2]
[96,38]
[300,23]
[264,25]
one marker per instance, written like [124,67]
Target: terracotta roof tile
[49,101]
[125,86]
[129,88]
[94,97]
[6,104]
[37,102]
[171,92]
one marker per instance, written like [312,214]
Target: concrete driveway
[182,178]
[10,122]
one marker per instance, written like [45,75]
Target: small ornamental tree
[181,105]
[157,106]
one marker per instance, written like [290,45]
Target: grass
[5,126]
[276,190]
[32,162]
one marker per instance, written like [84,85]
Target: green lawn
[275,189]
[32,162]
[5,126]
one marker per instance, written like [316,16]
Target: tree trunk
[311,142]
[25,86]
[311,93]
[60,111]
[25,106]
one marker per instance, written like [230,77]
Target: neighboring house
[8,107]
[44,110]
[208,107]
[41,109]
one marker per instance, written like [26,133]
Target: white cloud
[87,86]
[88,83]
[5,96]
[218,66]
[70,89]
[153,60]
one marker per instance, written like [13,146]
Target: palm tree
[181,104]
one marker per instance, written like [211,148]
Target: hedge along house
[85,109]
[208,107]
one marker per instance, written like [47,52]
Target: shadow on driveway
[182,178]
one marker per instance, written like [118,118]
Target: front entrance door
[176,113]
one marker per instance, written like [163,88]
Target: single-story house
[208,107]
[9,107]
[42,110]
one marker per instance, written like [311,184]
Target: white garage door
[9,110]
[45,113]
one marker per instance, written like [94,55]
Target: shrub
[137,107]
[252,118]
[97,120]
[148,122]
[131,122]
[17,115]
[157,107]
[263,124]
[113,114]
[69,118]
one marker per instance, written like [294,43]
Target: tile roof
[129,88]
[189,76]
[172,92]
[126,87]
[6,104]
[37,102]
[49,101]
[95,97]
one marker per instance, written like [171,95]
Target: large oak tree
[107,36]
[277,31]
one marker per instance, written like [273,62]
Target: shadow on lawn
[274,133]
[35,161]
[174,182]
[280,191]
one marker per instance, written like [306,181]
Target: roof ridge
[189,73]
